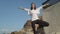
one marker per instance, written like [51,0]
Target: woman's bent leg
[43,23]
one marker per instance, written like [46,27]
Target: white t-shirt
[34,13]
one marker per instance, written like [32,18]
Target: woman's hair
[34,6]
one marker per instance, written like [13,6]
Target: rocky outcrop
[27,29]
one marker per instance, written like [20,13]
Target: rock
[27,29]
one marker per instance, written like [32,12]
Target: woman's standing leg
[33,27]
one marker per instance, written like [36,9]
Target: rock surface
[27,29]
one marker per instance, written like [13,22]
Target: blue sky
[12,18]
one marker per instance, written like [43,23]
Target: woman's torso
[34,14]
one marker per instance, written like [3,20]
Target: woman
[33,12]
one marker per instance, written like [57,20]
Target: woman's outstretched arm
[42,6]
[45,5]
[24,9]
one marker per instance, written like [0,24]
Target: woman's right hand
[21,8]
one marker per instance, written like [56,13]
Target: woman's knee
[46,23]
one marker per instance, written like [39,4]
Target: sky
[12,18]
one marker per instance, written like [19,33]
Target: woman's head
[33,6]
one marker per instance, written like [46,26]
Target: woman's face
[33,6]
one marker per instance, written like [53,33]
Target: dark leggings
[41,25]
